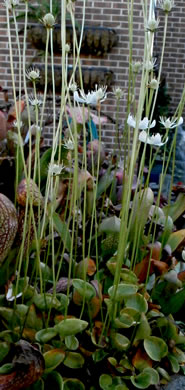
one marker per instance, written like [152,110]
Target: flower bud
[48,20]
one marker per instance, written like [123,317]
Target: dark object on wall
[90,76]
[96,41]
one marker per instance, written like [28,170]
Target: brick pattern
[174,57]
[111,14]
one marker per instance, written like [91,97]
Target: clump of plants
[92,263]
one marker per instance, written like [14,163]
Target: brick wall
[113,14]
[174,57]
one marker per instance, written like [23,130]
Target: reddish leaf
[28,366]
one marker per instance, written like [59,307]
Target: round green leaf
[74,360]
[120,342]
[105,381]
[123,290]
[71,342]
[73,384]
[6,368]
[137,302]
[45,301]
[124,321]
[70,326]
[53,358]
[45,335]
[128,276]
[141,381]
[153,374]
[85,289]
[156,348]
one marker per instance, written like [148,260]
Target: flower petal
[131,121]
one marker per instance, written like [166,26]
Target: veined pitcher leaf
[85,289]
[73,384]
[70,327]
[74,360]
[105,381]
[141,381]
[53,358]
[45,335]
[156,348]
[71,342]
[110,225]
[137,302]
[123,291]
[120,342]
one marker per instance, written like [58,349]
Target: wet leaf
[155,347]
[45,335]
[143,329]
[71,342]
[73,384]
[105,381]
[6,368]
[120,342]
[85,289]
[70,327]
[46,301]
[148,377]
[137,302]
[74,360]
[53,358]
[122,292]
[110,225]
[141,381]
[124,321]
[86,266]
[128,276]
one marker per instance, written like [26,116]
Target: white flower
[67,48]
[55,169]
[166,5]
[136,66]
[118,92]
[93,97]
[153,84]
[73,87]
[150,65]
[152,25]
[11,3]
[35,102]
[170,123]
[69,144]
[48,20]
[33,74]
[154,140]
[10,295]
[144,124]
